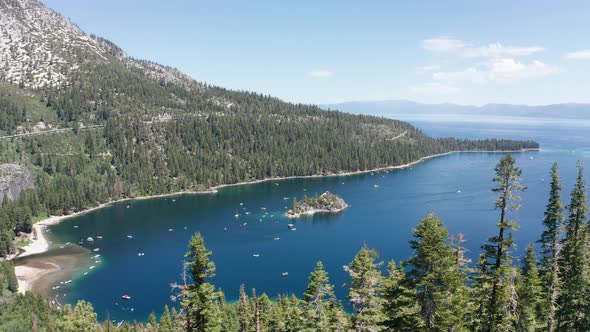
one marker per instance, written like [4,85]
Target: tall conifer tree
[435,275]
[497,249]
[530,294]
[365,289]
[573,268]
[550,247]
[200,298]
[400,307]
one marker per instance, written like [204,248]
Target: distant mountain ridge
[405,107]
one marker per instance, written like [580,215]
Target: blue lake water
[384,207]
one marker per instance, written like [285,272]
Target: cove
[384,207]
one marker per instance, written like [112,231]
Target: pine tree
[435,274]
[320,299]
[497,248]
[200,298]
[295,314]
[365,289]
[277,316]
[166,320]
[480,291]
[573,268]
[550,246]
[244,311]
[530,294]
[264,307]
[152,320]
[81,319]
[400,308]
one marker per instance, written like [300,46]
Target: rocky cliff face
[41,48]
[13,180]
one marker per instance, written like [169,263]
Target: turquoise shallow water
[384,206]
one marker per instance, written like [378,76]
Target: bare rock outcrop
[14,179]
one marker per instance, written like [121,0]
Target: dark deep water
[456,187]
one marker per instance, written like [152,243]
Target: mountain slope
[41,48]
[102,126]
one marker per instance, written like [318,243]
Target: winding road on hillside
[51,131]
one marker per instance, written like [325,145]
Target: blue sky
[467,52]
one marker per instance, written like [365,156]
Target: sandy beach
[28,274]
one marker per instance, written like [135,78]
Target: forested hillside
[94,125]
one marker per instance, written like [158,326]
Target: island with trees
[325,203]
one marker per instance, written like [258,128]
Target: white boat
[130,236]
[96,249]
[256,255]
[277,238]
[89,239]
[285,274]
[75,226]
[169,229]
[290,225]
[458,191]
[293,229]
[376,185]
[99,237]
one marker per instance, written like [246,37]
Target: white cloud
[427,69]
[511,70]
[470,74]
[464,49]
[321,73]
[579,55]
[498,70]
[442,45]
[433,88]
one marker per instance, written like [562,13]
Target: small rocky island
[325,203]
